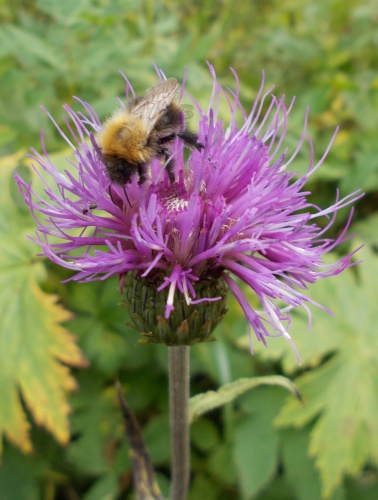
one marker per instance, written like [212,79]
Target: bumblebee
[135,135]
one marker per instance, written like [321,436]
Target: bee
[144,130]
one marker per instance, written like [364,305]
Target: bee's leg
[110,194]
[166,138]
[142,174]
[127,198]
[165,153]
[169,166]
[114,201]
[191,139]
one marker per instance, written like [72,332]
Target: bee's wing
[154,102]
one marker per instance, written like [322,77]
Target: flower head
[236,212]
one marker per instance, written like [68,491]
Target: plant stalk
[178,403]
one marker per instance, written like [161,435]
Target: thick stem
[178,402]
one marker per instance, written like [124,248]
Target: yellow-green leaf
[35,348]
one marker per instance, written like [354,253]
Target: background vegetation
[63,345]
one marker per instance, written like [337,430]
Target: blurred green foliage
[264,446]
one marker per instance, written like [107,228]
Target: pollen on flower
[237,215]
[175,203]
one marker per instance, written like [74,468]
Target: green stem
[178,402]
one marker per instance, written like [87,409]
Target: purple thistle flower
[236,211]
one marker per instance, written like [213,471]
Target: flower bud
[187,324]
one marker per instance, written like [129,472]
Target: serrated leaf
[99,323]
[97,425]
[341,392]
[34,345]
[209,400]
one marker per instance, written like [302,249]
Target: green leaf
[365,229]
[65,12]
[364,173]
[209,400]
[97,425]
[35,349]
[202,487]
[256,441]
[7,134]
[219,461]
[365,487]
[299,467]
[18,476]
[21,42]
[105,488]
[342,391]
[204,435]
[99,323]
[156,435]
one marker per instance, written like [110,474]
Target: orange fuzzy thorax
[125,136]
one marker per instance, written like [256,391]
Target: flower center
[174,204]
[175,199]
